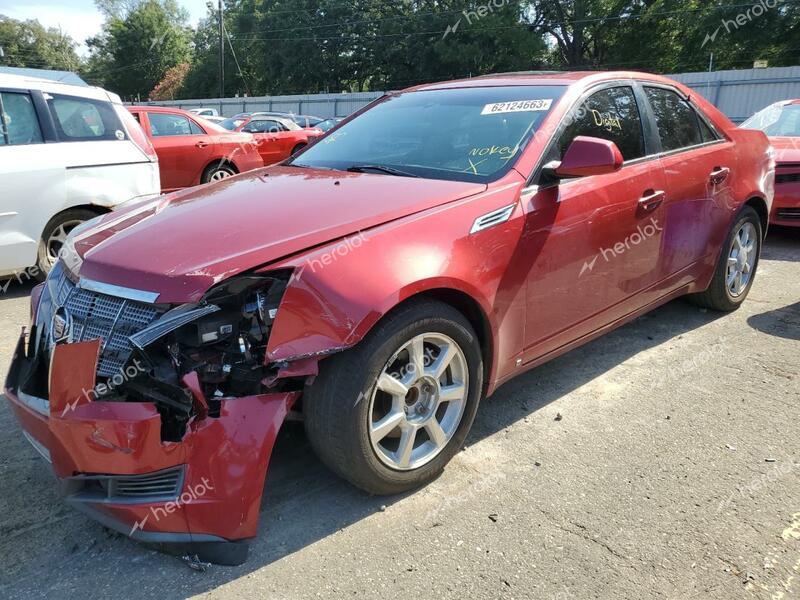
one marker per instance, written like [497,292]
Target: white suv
[67,154]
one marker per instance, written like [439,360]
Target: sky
[78,18]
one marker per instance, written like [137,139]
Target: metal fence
[321,105]
[741,93]
[738,94]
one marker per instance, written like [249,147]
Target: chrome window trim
[119,291]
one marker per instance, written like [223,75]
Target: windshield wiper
[381,169]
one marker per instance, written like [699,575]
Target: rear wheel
[297,148]
[55,234]
[217,171]
[389,414]
[737,265]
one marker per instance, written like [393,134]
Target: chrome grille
[99,316]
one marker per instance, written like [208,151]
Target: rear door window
[19,124]
[84,119]
[678,123]
[263,126]
[610,114]
[169,124]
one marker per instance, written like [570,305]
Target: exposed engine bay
[224,344]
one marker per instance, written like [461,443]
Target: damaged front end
[159,420]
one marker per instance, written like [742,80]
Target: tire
[54,234]
[217,171]
[344,402]
[297,149]
[722,295]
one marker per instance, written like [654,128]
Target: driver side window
[610,114]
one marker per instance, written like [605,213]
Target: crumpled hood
[182,244]
[787,149]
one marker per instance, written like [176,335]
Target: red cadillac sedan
[382,283]
[781,122]
[192,150]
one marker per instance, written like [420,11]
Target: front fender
[340,291]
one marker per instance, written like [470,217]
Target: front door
[594,243]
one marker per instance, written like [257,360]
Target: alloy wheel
[418,401]
[57,238]
[741,260]
[219,174]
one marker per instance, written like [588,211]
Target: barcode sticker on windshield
[516,106]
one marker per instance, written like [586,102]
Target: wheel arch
[758,204]
[470,308]
[97,209]
[220,161]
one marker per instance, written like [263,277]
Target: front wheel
[737,265]
[389,414]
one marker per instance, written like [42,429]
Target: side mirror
[588,156]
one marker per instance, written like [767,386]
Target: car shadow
[16,287]
[782,322]
[304,503]
[782,244]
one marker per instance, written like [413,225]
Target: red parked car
[278,138]
[781,122]
[192,150]
[436,244]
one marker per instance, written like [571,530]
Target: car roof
[162,109]
[25,82]
[542,78]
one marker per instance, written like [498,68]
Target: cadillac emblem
[60,327]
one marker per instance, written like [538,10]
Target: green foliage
[309,46]
[141,41]
[28,44]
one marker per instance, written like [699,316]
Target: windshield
[465,134]
[779,120]
[232,123]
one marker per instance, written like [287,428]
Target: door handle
[201,144]
[719,175]
[652,199]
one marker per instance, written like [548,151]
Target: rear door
[184,149]
[32,177]
[594,243]
[699,164]
[271,140]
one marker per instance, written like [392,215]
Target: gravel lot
[661,461]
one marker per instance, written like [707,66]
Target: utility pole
[221,53]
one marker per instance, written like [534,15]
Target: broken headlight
[222,340]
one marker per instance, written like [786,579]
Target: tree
[666,35]
[29,44]
[173,81]
[140,42]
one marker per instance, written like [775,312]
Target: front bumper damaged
[111,463]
